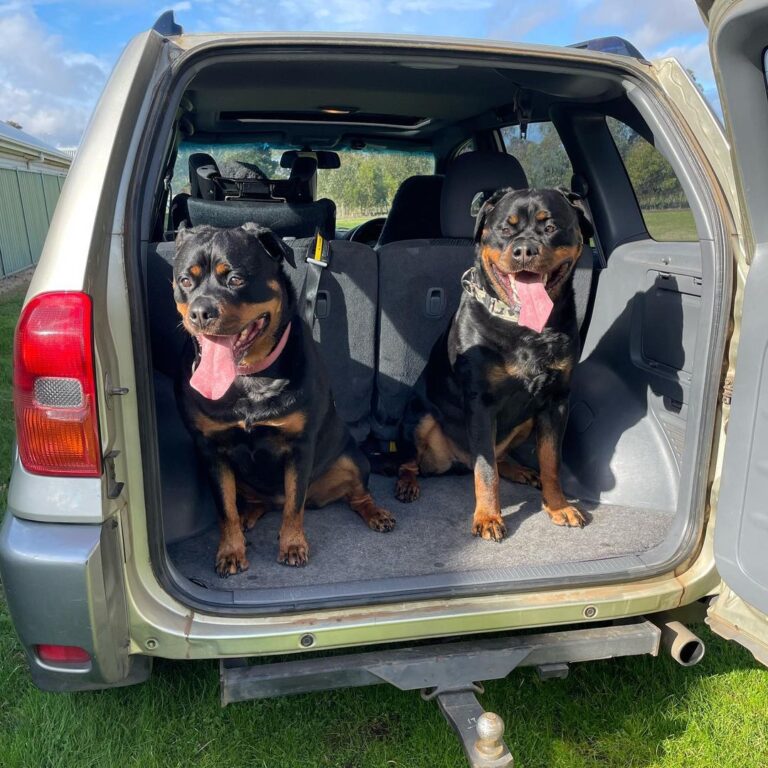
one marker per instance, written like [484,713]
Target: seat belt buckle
[320,252]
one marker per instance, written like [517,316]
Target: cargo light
[54,387]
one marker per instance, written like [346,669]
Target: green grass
[354,221]
[627,713]
[671,225]
[10,306]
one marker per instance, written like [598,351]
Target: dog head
[229,286]
[530,236]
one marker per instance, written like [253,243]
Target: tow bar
[450,673]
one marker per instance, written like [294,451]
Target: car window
[665,209]
[253,160]
[362,187]
[365,184]
[541,154]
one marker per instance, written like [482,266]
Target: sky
[56,56]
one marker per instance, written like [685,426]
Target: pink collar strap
[262,365]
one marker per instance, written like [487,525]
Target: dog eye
[506,231]
[236,282]
[185,282]
[550,228]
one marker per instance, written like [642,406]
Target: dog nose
[202,312]
[525,249]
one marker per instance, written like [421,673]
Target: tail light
[54,387]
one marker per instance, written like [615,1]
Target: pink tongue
[535,304]
[217,368]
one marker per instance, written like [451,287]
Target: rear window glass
[235,161]
[365,184]
[662,201]
[362,187]
[541,154]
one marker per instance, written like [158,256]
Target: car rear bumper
[64,586]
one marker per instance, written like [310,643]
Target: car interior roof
[391,102]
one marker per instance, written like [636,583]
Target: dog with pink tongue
[254,393]
[501,371]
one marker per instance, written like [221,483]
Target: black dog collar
[496,307]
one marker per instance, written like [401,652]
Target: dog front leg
[550,428]
[294,549]
[230,556]
[481,432]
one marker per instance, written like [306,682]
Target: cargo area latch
[113,486]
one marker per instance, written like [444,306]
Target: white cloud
[180,7]
[656,27]
[651,23]
[49,90]
[436,6]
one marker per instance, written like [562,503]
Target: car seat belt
[317,261]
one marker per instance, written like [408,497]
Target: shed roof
[20,145]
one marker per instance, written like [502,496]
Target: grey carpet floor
[432,535]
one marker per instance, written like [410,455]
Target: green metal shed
[31,176]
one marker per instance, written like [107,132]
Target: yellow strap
[319,242]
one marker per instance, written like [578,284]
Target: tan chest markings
[292,424]
[500,374]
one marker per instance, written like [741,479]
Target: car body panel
[738,32]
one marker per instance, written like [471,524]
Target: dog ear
[577,203]
[275,246]
[488,205]
[182,234]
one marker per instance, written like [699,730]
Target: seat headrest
[303,168]
[415,210]
[469,174]
[202,167]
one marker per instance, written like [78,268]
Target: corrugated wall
[35,211]
[27,201]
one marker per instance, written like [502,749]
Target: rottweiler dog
[502,368]
[254,393]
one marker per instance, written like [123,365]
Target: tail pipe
[684,647]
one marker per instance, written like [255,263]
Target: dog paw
[295,553]
[567,516]
[230,560]
[407,489]
[488,526]
[526,476]
[381,520]
[249,517]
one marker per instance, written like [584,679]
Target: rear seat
[345,326]
[420,282]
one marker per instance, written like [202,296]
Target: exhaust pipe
[684,647]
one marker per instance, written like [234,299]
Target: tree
[542,155]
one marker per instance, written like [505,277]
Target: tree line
[546,163]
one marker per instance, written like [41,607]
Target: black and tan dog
[503,366]
[256,396]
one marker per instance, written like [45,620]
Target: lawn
[671,225]
[634,712]
[351,222]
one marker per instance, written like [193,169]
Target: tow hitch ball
[481,732]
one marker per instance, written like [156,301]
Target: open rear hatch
[651,314]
